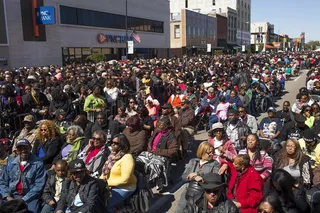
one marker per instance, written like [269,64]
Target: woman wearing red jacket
[245,185]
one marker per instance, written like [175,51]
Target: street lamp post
[127,29]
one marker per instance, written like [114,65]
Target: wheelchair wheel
[264,105]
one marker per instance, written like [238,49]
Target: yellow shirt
[314,154]
[121,174]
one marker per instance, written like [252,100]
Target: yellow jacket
[314,153]
[121,174]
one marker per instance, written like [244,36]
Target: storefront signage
[102,38]
[130,47]
[45,15]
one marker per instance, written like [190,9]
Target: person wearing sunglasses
[307,113]
[270,204]
[195,170]
[214,198]
[48,142]
[95,153]
[80,192]
[118,171]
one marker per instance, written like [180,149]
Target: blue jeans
[47,209]
[33,206]
[118,195]
[212,119]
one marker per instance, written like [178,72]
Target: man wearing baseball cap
[214,199]
[24,177]
[311,147]
[270,126]
[82,193]
[28,132]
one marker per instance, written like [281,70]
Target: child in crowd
[52,191]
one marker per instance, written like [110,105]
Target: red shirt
[93,153]
[19,185]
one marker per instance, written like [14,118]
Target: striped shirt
[264,165]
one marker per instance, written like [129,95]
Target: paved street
[168,201]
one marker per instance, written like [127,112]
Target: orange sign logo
[102,38]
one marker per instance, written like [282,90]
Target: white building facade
[237,11]
[261,33]
[80,24]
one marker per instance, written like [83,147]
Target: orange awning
[270,47]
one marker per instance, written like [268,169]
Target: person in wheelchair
[162,147]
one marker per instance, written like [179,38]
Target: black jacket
[90,192]
[29,103]
[291,130]
[299,205]
[49,190]
[51,149]
[200,206]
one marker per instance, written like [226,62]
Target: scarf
[75,147]
[35,99]
[112,159]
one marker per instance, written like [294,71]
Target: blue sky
[291,17]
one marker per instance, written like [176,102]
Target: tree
[312,45]
[96,57]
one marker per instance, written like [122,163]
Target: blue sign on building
[45,15]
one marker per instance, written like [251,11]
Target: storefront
[83,28]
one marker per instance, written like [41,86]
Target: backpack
[141,200]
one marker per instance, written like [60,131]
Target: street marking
[297,78]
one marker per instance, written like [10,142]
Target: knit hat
[309,136]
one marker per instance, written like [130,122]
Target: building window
[194,32]
[213,2]
[176,31]
[77,16]
[186,3]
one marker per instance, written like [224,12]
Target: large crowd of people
[89,137]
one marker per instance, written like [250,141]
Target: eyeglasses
[114,143]
[214,191]
[307,110]
[43,130]
[96,139]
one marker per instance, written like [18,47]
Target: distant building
[238,13]
[190,32]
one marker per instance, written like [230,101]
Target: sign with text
[243,48]
[209,48]
[102,38]
[130,47]
[45,15]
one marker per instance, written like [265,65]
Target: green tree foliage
[96,58]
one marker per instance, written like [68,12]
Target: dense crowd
[96,137]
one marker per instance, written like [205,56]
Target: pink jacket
[229,154]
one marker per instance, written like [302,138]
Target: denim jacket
[33,179]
